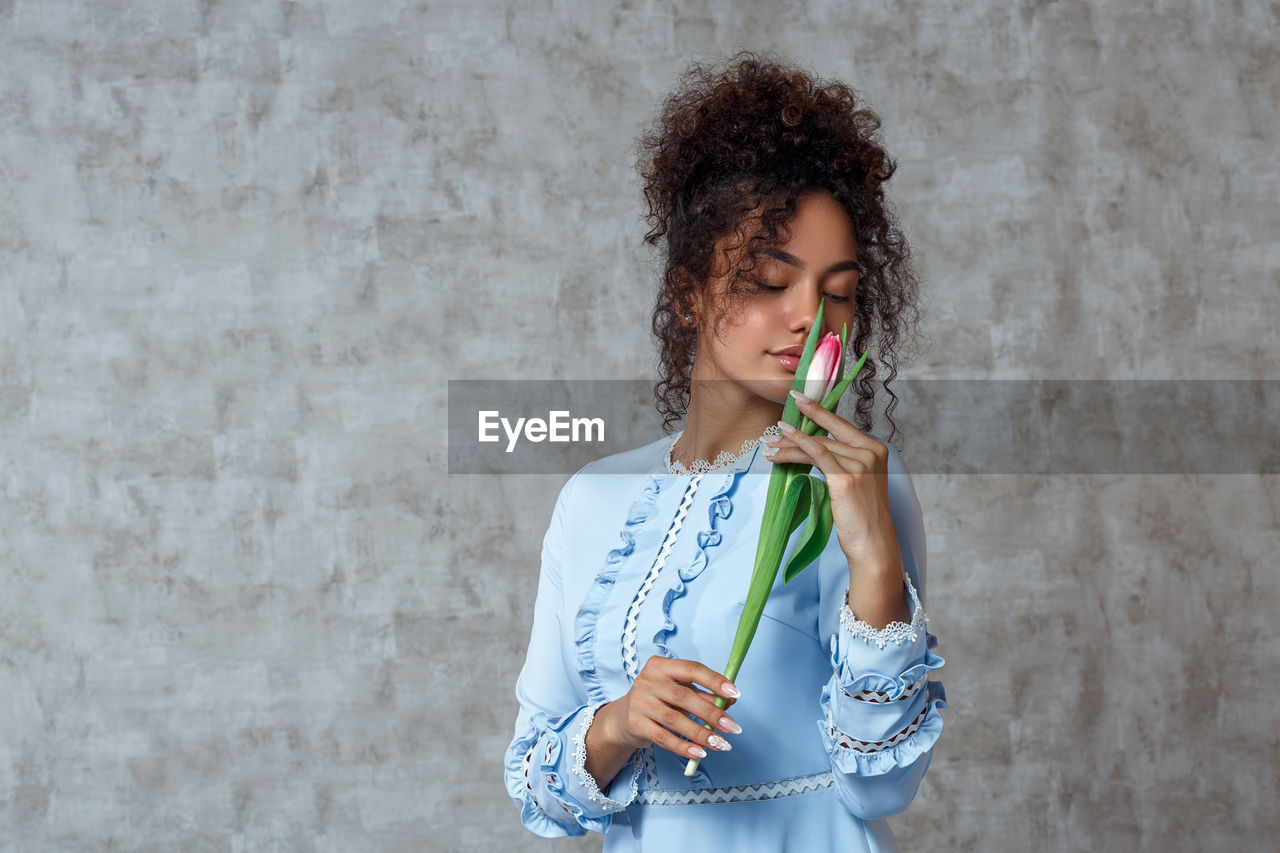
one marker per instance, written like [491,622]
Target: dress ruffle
[720,507]
[893,686]
[550,760]
[900,754]
[531,815]
[584,624]
[547,738]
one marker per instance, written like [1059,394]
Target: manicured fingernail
[770,451]
[772,439]
[717,742]
[729,725]
[697,751]
[730,690]
[801,398]
[786,428]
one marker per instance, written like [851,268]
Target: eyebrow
[788,258]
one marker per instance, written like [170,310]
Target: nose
[803,308]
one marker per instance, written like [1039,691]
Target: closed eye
[771,288]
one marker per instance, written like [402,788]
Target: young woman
[765,190]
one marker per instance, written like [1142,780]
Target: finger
[830,456]
[672,743]
[700,704]
[674,720]
[822,457]
[711,697]
[692,672]
[836,425]
[783,453]
[786,450]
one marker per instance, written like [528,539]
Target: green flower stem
[785,509]
[774,536]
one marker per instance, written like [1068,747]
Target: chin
[775,391]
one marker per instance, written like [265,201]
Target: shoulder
[645,459]
[614,479]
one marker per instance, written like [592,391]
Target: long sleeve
[545,763]
[879,714]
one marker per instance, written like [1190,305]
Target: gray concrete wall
[244,244]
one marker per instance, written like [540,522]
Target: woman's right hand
[655,709]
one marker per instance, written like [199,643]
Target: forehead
[820,230]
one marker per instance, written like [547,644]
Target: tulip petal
[823,367]
[790,411]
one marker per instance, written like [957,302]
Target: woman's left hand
[856,468]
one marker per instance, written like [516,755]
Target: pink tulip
[791,487]
[824,369]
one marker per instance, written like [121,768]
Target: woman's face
[759,344]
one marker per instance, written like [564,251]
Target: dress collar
[724,460]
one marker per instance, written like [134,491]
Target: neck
[722,415]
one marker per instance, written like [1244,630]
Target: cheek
[759,325]
[748,333]
[753,338]
[845,317]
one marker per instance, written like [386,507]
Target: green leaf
[817,532]
[802,506]
[773,542]
[833,399]
[844,339]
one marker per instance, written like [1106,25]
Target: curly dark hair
[753,134]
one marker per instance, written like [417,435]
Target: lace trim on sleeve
[895,632]
[580,765]
[865,747]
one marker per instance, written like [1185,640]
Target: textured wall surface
[243,245]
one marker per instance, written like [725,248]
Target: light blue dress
[839,719]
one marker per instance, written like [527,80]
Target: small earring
[688,319]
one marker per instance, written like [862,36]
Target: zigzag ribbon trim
[528,759]
[879,746]
[651,767]
[629,664]
[880,696]
[737,793]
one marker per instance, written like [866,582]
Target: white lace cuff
[580,766]
[895,632]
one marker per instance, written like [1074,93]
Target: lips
[788,357]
